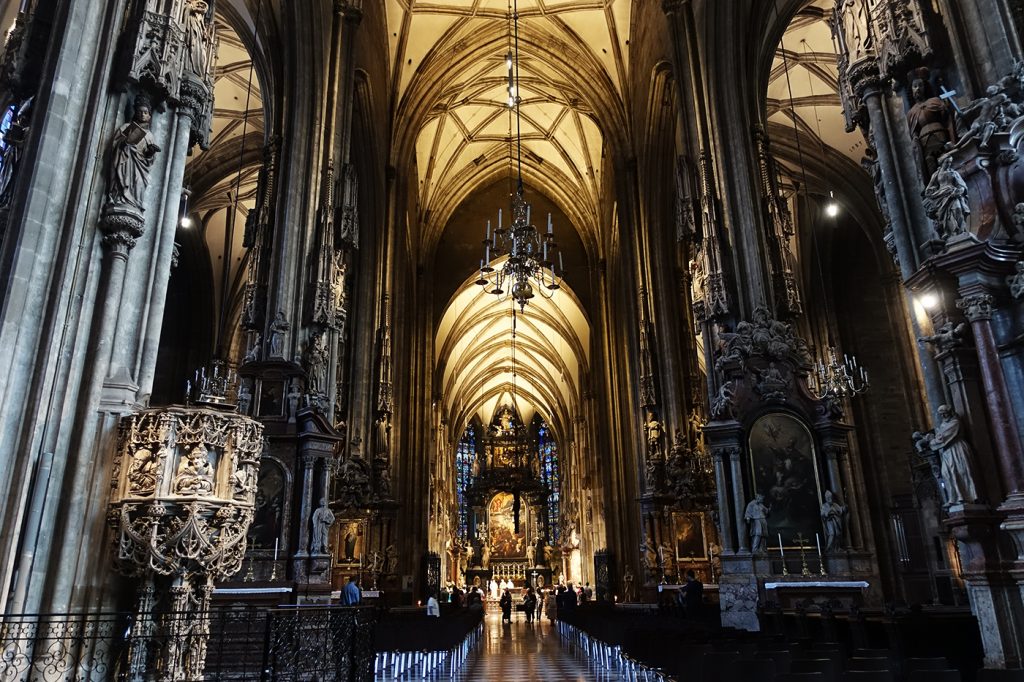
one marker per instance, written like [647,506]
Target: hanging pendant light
[530,267]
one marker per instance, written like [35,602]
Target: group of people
[533,604]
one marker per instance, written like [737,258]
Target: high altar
[509,529]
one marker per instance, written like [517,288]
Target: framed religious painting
[690,539]
[784,468]
[350,542]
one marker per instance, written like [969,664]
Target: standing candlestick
[275,548]
[821,559]
[804,570]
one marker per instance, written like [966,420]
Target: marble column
[977,308]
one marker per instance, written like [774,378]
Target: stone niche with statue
[788,493]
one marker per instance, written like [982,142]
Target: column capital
[976,307]
[670,6]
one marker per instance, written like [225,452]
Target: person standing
[529,604]
[506,606]
[352,595]
[694,595]
[433,608]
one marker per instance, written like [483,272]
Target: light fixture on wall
[530,266]
[831,377]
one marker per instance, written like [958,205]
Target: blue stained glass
[464,455]
[547,451]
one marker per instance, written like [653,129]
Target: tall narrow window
[547,450]
[464,455]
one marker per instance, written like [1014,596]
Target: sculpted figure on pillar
[833,516]
[948,335]
[930,125]
[945,200]
[323,518]
[756,516]
[10,157]
[195,475]
[132,153]
[317,357]
[987,115]
[954,454]
[1016,281]
[197,38]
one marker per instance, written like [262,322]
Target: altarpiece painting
[784,469]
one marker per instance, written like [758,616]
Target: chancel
[508,339]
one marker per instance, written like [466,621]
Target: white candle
[817,541]
[488,229]
[275,549]
[781,552]
[499,218]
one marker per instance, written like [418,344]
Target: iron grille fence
[310,644]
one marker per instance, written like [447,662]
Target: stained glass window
[547,451]
[464,455]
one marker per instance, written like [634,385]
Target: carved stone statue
[253,354]
[832,520]
[756,516]
[723,407]
[930,125]
[653,429]
[132,152]
[531,555]
[771,384]
[195,475]
[627,584]
[142,472]
[947,336]
[648,556]
[10,157]
[987,115]
[1016,281]
[278,328]
[197,43]
[1018,223]
[323,518]
[317,358]
[954,456]
[945,200]
[390,560]
[485,556]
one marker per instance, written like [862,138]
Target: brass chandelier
[530,266]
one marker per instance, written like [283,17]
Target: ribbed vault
[474,357]
[449,83]
[809,52]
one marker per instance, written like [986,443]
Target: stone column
[977,308]
[738,498]
[724,515]
[306,506]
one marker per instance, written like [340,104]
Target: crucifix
[802,541]
[948,96]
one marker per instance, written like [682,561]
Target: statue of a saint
[485,556]
[531,554]
[987,115]
[648,556]
[317,358]
[10,156]
[945,200]
[132,152]
[197,47]
[278,328]
[832,516]
[195,475]
[323,517]
[954,456]
[142,472]
[1016,281]
[930,125]
[756,516]
[390,560]
[653,429]
[627,582]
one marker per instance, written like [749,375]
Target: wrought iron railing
[296,643]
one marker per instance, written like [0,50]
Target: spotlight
[929,301]
[186,222]
[832,207]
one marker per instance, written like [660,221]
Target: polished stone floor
[523,652]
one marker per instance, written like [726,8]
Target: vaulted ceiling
[480,366]
[809,93]
[449,92]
